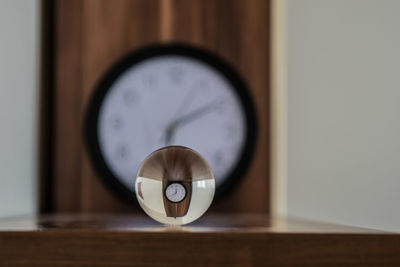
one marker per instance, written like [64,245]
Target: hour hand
[169,133]
[176,191]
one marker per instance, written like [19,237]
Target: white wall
[19,81]
[343,105]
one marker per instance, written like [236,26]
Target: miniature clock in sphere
[175,185]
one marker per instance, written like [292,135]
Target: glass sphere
[175,185]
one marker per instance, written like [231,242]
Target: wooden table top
[214,240]
[211,223]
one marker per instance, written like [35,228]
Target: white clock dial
[175,192]
[171,100]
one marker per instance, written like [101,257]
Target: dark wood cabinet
[90,35]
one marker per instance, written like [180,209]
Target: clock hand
[197,113]
[170,129]
[176,191]
[169,133]
[186,101]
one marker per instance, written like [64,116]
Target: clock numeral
[202,86]
[176,74]
[116,123]
[149,81]
[219,157]
[130,98]
[221,106]
[122,153]
[231,131]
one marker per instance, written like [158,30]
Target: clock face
[170,96]
[175,192]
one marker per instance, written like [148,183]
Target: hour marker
[130,97]
[202,86]
[149,81]
[218,157]
[231,130]
[221,106]
[122,152]
[116,123]
[176,74]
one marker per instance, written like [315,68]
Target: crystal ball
[175,185]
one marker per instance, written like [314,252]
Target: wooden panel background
[90,35]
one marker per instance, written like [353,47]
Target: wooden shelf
[214,240]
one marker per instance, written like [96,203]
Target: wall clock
[170,95]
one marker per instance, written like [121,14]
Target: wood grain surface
[90,35]
[214,240]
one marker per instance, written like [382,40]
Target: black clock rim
[203,55]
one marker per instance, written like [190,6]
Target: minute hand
[195,114]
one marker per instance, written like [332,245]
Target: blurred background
[331,96]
